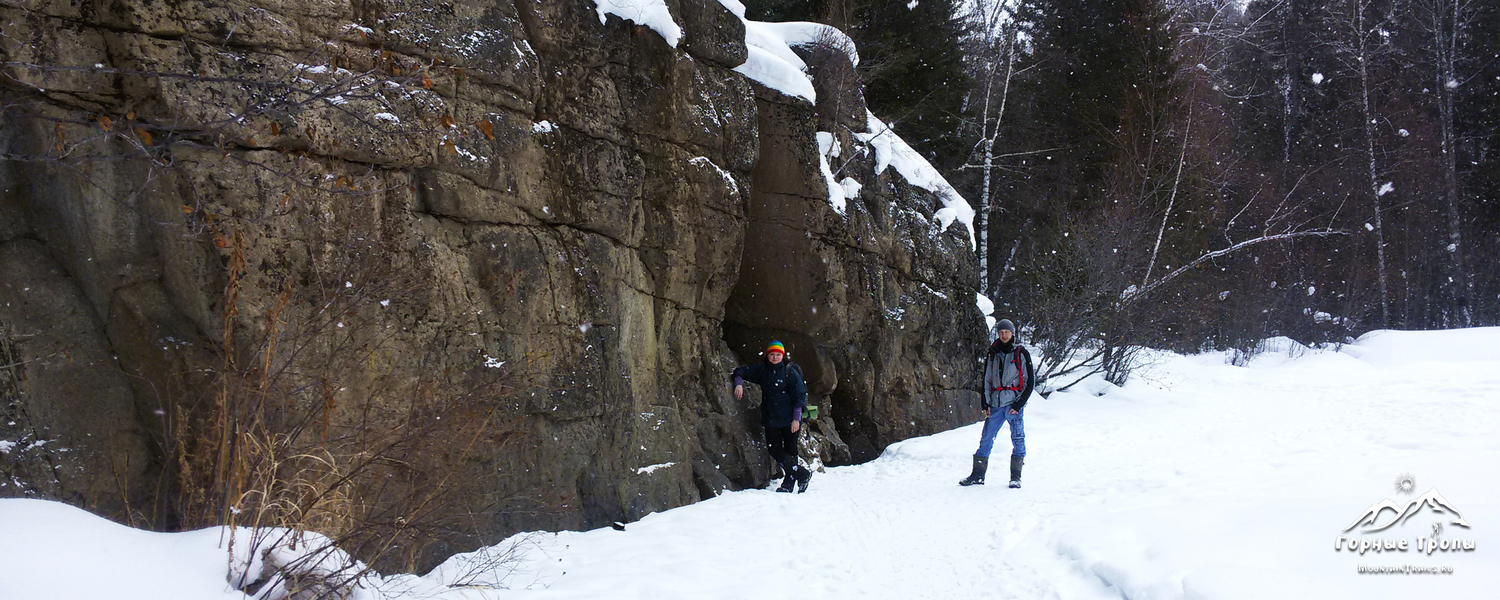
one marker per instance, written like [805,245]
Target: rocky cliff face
[337,223]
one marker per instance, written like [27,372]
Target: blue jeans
[998,418]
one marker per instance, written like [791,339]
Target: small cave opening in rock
[855,427]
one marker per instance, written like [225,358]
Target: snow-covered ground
[1197,480]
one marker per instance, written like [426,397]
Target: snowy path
[1199,480]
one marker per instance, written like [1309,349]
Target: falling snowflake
[1317,78]
[1406,484]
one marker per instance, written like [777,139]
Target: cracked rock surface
[563,229]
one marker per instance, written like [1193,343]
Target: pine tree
[911,62]
[777,11]
[1478,122]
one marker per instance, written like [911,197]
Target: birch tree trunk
[1385,302]
[1172,201]
[987,168]
[1362,54]
[1447,22]
[1288,110]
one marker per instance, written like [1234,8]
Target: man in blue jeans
[1008,381]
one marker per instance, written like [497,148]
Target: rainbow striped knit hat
[776,347]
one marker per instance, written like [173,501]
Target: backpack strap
[1020,373]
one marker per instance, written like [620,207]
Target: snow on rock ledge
[650,13]
[986,308]
[891,150]
[771,62]
[770,59]
[838,195]
[770,70]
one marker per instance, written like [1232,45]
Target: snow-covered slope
[1197,480]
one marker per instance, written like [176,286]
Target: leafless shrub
[306,428]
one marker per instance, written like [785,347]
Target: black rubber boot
[981,464]
[788,477]
[1015,470]
[802,481]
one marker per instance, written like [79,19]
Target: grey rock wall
[618,222]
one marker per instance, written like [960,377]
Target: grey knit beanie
[1005,324]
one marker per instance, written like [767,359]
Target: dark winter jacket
[1008,376]
[783,393]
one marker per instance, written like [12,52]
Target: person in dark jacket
[783,396]
[1008,381]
